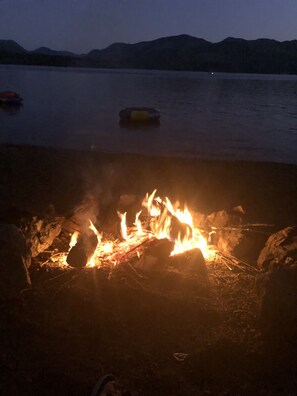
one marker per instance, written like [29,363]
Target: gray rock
[278,247]
[42,234]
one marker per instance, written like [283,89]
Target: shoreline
[135,70]
[32,147]
[34,177]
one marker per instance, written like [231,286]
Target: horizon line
[146,41]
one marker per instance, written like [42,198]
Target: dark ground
[61,336]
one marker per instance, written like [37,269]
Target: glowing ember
[165,220]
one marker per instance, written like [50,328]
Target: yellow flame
[166,220]
[73,239]
[161,225]
[152,209]
[124,231]
[138,224]
[96,232]
[92,262]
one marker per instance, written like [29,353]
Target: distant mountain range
[181,52]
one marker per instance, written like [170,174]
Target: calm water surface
[220,116]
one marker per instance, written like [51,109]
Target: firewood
[155,255]
[160,248]
[179,229]
[191,261]
[80,254]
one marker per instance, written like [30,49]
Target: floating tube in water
[139,114]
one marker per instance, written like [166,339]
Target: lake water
[219,116]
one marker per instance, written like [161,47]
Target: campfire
[166,226]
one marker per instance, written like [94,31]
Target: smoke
[102,190]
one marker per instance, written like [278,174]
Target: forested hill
[181,52]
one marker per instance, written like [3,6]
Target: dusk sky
[82,25]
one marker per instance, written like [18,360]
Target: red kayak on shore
[9,97]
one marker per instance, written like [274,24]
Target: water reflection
[139,126]
[11,109]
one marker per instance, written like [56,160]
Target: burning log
[160,248]
[167,230]
[179,230]
[191,261]
[185,272]
[155,256]
[80,254]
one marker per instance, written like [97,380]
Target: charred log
[179,229]
[155,256]
[191,261]
[160,248]
[80,254]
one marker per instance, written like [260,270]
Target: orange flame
[189,237]
[73,239]
[166,220]
[124,233]
[138,224]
